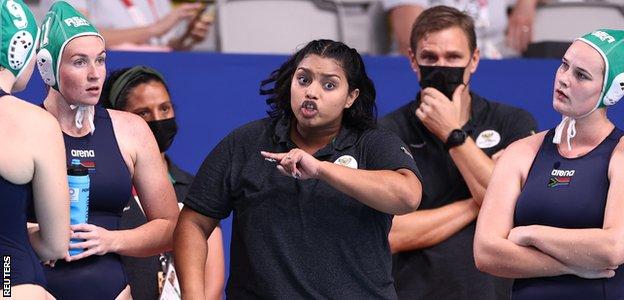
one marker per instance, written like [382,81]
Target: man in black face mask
[453,133]
[142,91]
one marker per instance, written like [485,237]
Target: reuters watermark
[6,275]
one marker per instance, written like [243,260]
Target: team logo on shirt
[560,178]
[488,139]
[347,161]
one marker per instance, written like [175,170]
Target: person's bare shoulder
[130,128]
[27,119]
[618,152]
[620,145]
[528,145]
[127,122]
[518,157]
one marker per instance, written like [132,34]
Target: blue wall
[215,93]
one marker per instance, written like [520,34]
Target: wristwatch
[455,138]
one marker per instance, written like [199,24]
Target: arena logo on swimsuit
[83,153]
[6,276]
[560,177]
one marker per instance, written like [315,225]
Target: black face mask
[443,79]
[164,131]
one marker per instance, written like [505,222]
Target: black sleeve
[518,125]
[388,123]
[386,151]
[210,192]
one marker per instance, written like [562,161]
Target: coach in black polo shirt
[312,189]
[453,133]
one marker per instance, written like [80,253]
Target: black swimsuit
[15,246]
[96,277]
[567,193]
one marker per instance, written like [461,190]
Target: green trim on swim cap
[18,35]
[610,44]
[62,23]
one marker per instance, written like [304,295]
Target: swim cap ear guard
[18,35]
[615,91]
[610,44]
[62,23]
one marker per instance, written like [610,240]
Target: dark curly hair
[360,116]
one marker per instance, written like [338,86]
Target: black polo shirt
[299,239]
[447,270]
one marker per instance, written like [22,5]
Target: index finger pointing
[271,155]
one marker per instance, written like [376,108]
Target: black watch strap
[456,137]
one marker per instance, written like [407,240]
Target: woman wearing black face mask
[142,90]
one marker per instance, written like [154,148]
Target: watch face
[463,135]
[459,135]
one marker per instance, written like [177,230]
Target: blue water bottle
[78,181]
